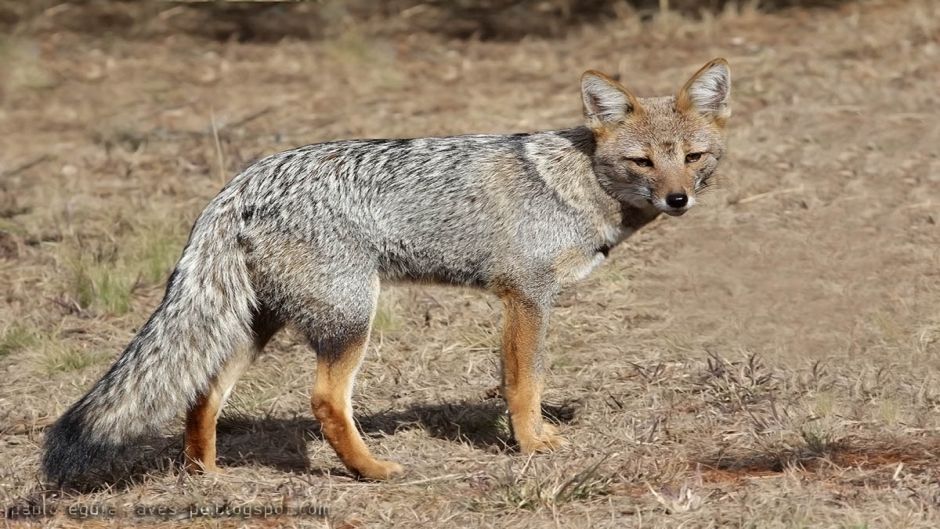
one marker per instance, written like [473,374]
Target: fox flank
[306,237]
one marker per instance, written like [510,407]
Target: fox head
[658,152]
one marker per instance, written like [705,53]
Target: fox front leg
[524,326]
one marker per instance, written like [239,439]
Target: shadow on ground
[848,453]
[282,443]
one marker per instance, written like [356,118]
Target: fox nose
[677,200]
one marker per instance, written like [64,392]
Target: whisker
[634,192]
[705,185]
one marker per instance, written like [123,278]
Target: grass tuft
[60,357]
[734,386]
[385,319]
[104,274]
[516,491]
[50,353]
[23,71]
[100,285]
[819,442]
[16,338]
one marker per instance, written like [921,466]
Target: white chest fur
[575,266]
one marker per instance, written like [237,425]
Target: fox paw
[199,467]
[548,440]
[378,470]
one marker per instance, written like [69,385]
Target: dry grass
[770,360]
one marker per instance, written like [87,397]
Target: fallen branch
[761,196]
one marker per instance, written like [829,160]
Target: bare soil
[771,359]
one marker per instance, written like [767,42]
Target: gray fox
[304,238]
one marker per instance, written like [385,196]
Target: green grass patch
[385,319]
[49,352]
[23,69]
[101,285]
[16,338]
[156,255]
[61,357]
[103,274]
[12,227]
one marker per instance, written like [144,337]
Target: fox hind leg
[340,350]
[329,293]
[200,438]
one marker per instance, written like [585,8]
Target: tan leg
[523,332]
[202,416]
[200,450]
[338,362]
[200,434]
[332,406]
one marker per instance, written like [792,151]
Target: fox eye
[693,157]
[642,162]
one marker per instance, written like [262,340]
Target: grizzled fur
[304,236]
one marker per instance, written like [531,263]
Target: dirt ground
[771,359]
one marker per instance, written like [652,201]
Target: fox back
[471,209]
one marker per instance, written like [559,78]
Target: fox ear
[605,100]
[708,92]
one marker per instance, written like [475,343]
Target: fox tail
[205,316]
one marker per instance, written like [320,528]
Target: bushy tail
[205,316]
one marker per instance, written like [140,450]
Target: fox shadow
[282,442]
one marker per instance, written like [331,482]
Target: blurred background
[272,20]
